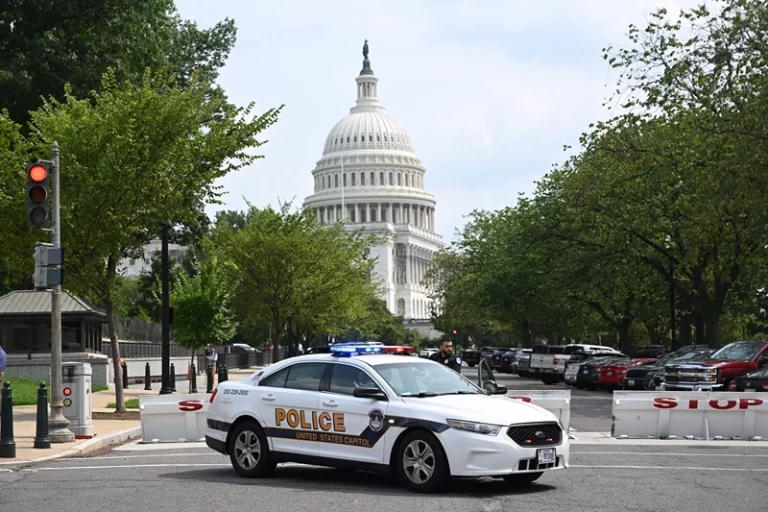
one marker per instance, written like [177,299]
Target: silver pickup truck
[548,361]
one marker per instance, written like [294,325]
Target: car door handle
[330,403]
[268,398]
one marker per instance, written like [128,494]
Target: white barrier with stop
[690,415]
[173,418]
[558,402]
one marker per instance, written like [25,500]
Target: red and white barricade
[690,415]
[173,418]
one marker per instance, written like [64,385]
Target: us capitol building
[370,176]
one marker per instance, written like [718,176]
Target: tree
[134,157]
[301,276]
[201,305]
[47,44]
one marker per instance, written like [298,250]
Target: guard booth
[78,400]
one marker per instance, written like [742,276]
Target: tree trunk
[277,338]
[622,328]
[684,336]
[109,309]
[699,329]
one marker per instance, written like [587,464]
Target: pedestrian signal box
[78,400]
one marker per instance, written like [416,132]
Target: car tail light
[213,395]
[555,360]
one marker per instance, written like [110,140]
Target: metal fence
[135,349]
[239,359]
[136,329]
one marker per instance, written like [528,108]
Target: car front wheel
[421,464]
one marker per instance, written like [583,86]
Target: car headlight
[471,426]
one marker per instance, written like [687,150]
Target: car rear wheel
[249,451]
[522,479]
[421,464]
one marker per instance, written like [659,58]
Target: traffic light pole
[166,388]
[57,423]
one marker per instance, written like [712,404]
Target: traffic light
[38,211]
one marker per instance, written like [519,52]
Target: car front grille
[536,434]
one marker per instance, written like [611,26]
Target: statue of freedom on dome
[365,49]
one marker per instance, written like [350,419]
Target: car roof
[372,359]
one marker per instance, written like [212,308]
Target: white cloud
[489,90]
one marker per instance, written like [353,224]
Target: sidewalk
[109,428]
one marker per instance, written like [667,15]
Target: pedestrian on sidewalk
[212,357]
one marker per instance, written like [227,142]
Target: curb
[89,447]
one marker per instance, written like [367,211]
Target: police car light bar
[398,350]
[348,350]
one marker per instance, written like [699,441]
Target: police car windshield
[425,380]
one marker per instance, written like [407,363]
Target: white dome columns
[410,270]
[418,216]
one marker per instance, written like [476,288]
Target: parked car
[578,359]
[611,375]
[587,376]
[716,371]
[645,377]
[756,381]
[471,357]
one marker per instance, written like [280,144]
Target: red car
[611,376]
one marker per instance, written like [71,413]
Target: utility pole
[57,423]
[166,387]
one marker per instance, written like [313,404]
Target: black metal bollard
[41,438]
[226,372]
[125,375]
[209,379]
[173,378]
[147,378]
[7,444]
[222,374]
[193,382]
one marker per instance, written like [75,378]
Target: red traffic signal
[67,391]
[38,173]
[37,193]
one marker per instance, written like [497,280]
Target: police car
[359,407]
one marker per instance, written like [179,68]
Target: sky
[490,91]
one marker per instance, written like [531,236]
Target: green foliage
[302,277]
[202,305]
[47,44]
[668,193]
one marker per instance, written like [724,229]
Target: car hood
[704,362]
[496,409]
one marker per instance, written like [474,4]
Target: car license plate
[546,456]
[630,383]
[749,389]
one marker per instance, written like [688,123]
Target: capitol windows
[406,180]
[362,178]
[336,180]
[370,138]
[391,179]
[344,180]
[373,178]
[399,180]
[378,138]
[381,178]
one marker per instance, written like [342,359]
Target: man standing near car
[446,356]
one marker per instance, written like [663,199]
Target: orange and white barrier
[173,418]
[559,402]
[690,415]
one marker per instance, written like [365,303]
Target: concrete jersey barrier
[173,418]
[558,402]
[690,414]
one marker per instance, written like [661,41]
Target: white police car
[357,407]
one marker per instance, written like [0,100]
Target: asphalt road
[195,479]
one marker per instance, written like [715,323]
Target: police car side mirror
[374,393]
[499,389]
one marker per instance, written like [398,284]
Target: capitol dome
[370,178]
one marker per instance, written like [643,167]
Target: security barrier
[173,418]
[559,402]
[690,415]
